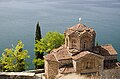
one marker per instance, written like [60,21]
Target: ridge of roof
[78,28]
[109,49]
[50,57]
[84,53]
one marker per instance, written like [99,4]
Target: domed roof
[79,28]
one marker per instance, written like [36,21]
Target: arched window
[66,41]
[74,43]
[89,65]
[84,45]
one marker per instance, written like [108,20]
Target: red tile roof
[74,50]
[79,27]
[62,53]
[65,70]
[105,50]
[109,49]
[50,57]
[83,54]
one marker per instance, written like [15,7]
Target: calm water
[18,19]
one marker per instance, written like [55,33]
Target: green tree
[97,44]
[38,55]
[50,41]
[13,59]
[38,35]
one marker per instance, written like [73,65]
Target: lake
[18,20]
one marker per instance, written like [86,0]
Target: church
[80,55]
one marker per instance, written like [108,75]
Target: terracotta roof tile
[62,53]
[50,57]
[109,49]
[81,54]
[66,70]
[74,50]
[106,50]
[79,27]
[69,31]
[84,53]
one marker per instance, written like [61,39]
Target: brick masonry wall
[17,75]
[30,74]
[111,74]
[107,74]
[51,69]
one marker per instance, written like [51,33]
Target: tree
[39,56]
[13,59]
[97,44]
[50,41]
[38,35]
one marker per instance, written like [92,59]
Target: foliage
[14,59]
[39,63]
[38,55]
[49,42]
[38,35]
[97,44]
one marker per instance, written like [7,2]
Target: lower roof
[63,53]
[65,70]
[105,50]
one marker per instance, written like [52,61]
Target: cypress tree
[38,36]
[38,32]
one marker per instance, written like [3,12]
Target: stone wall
[111,74]
[17,75]
[22,75]
[88,64]
[107,74]
[111,57]
[64,62]
[51,69]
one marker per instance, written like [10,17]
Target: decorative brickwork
[80,55]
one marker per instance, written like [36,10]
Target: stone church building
[79,54]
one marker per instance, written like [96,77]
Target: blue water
[18,19]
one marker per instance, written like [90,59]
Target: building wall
[111,74]
[111,57]
[63,62]
[88,64]
[51,69]
[17,75]
[80,41]
[74,41]
[87,41]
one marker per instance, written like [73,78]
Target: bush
[13,59]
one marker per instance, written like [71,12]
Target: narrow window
[73,43]
[88,65]
[84,46]
[66,41]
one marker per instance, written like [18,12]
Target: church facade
[79,54]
